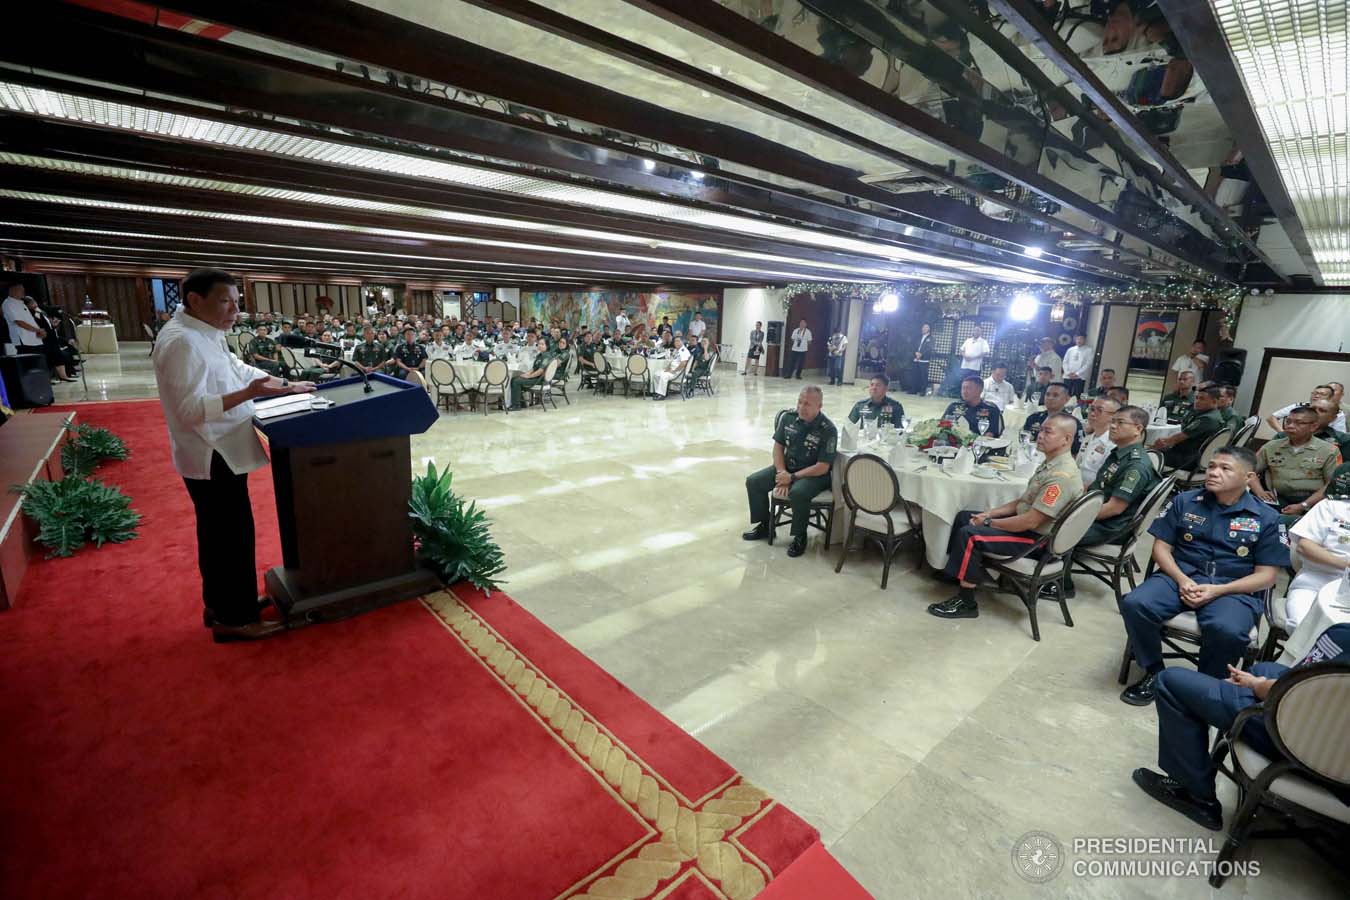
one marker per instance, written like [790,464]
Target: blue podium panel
[393,407]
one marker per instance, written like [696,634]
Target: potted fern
[452,536]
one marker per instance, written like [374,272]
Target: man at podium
[207,395]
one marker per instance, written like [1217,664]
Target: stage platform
[30,450]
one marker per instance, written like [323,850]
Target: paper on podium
[274,407]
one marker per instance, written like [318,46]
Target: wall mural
[598,308]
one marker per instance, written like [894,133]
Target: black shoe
[1170,792]
[957,607]
[798,547]
[1141,692]
[760,532]
[1051,592]
[254,631]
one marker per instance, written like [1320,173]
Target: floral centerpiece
[929,433]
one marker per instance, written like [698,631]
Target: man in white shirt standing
[801,340]
[1077,366]
[621,322]
[1193,362]
[1047,358]
[24,332]
[998,390]
[973,351]
[207,395]
[696,328]
[1097,444]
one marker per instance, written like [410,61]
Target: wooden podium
[343,478]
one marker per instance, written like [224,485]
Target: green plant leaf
[454,537]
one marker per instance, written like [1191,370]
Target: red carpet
[454,749]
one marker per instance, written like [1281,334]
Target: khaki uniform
[1295,473]
[1054,485]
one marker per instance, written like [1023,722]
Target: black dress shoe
[1170,792]
[956,608]
[254,631]
[1141,692]
[759,533]
[798,547]
[1051,592]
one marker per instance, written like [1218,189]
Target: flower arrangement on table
[929,433]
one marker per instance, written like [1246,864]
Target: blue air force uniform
[1212,544]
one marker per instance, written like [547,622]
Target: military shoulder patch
[1051,495]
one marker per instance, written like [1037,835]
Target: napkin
[962,464]
[847,439]
[902,454]
[1160,417]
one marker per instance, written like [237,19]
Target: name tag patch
[1192,518]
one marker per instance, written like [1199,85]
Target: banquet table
[96,337]
[939,494]
[470,372]
[1330,608]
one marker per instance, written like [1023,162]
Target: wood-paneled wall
[293,299]
[127,299]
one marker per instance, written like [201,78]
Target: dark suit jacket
[923,346]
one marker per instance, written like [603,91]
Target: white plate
[983,472]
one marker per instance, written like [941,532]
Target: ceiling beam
[1202,40]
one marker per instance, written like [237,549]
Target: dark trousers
[1189,703]
[1075,386]
[225,553]
[916,377]
[969,543]
[836,370]
[796,360]
[951,385]
[1225,623]
[759,484]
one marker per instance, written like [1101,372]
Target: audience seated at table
[1216,549]
[1294,467]
[1056,399]
[1096,438]
[877,406]
[1190,703]
[983,417]
[1013,527]
[1179,402]
[1321,392]
[1106,380]
[1045,376]
[997,389]
[805,442]
[675,366]
[1181,451]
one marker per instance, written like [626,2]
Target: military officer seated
[1327,410]
[877,406]
[262,351]
[370,354]
[1124,479]
[1045,376]
[1294,467]
[1105,382]
[535,376]
[983,417]
[1056,398]
[1011,528]
[1190,703]
[410,356]
[1181,451]
[1179,402]
[1216,549]
[804,446]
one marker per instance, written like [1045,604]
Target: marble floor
[921,749]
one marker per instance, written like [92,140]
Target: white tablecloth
[1329,609]
[96,337]
[470,372]
[941,496]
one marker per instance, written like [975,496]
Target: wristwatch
[793,477]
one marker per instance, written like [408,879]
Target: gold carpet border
[688,832]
